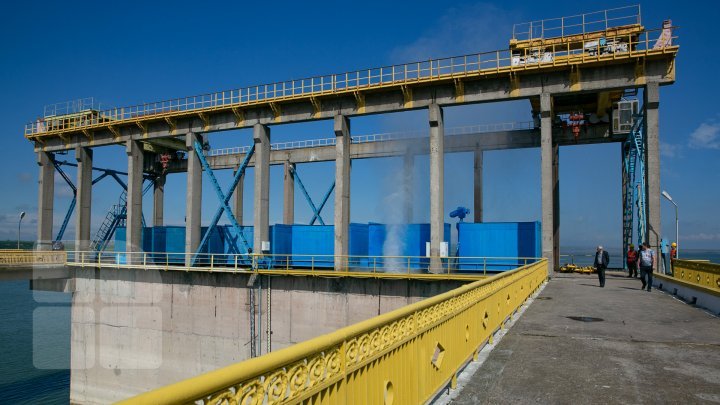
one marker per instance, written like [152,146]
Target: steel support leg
[652,168]
[437,187]
[159,201]
[193,198]
[261,231]
[478,185]
[46,196]
[134,200]
[342,192]
[289,194]
[84,158]
[547,183]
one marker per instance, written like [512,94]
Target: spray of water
[396,202]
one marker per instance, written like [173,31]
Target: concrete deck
[647,348]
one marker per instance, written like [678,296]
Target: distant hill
[12,244]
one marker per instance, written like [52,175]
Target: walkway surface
[643,348]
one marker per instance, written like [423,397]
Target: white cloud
[706,136]
[669,150]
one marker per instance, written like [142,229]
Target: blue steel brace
[316,211]
[224,198]
[71,208]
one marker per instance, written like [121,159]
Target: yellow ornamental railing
[403,357]
[702,274]
[17,257]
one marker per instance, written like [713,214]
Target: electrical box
[444,248]
[265,246]
[624,116]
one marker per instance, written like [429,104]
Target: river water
[35,338]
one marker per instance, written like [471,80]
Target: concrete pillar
[408,182]
[159,201]
[84,157]
[547,153]
[193,198]
[289,194]
[134,230]
[478,186]
[652,163]
[556,203]
[261,208]
[238,198]
[342,191]
[437,186]
[46,197]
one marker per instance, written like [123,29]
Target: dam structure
[155,304]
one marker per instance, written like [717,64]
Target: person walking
[602,259]
[647,264]
[632,261]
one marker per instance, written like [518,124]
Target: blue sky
[135,52]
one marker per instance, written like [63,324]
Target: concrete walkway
[580,344]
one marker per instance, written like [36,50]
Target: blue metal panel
[498,240]
[120,239]
[313,245]
[358,245]
[411,242]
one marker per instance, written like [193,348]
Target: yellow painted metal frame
[405,356]
[698,274]
[401,77]
[9,258]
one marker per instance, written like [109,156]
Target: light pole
[22,215]
[677,234]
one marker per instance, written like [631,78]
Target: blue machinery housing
[371,245]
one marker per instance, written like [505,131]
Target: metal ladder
[113,219]
[634,184]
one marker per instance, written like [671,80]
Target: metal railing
[407,355]
[31,257]
[578,24]
[472,65]
[303,264]
[381,137]
[698,274]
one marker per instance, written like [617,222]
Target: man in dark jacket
[602,259]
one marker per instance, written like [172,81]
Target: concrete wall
[137,330]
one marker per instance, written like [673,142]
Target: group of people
[644,259]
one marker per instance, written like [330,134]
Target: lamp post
[22,215]
[677,234]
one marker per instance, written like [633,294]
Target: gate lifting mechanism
[224,199]
[316,210]
[635,193]
[575,121]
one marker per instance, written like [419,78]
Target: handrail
[409,353]
[388,267]
[31,257]
[702,274]
[471,65]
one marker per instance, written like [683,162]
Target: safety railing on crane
[578,24]
[382,137]
[641,44]
[405,356]
[352,265]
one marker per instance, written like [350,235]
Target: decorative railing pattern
[645,43]
[702,274]
[406,355]
[30,257]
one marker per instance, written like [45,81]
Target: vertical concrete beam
[46,197]
[652,163]
[437,186]
[556,203]
[342,191]
[547,180]
[289,194]
[238,198]
[409,181]
[478,186]
[134,230]
[159,200]
[261,217]
[193,198]
[84,157]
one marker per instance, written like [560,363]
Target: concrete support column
[478,186]
[556,203]
[289,194]
[193,198]
[652,163]
[261,217]
[134,229]
[46,197]
[408,182]
[84,157]
[342,191]
[437,187]
[159,201]
[238,198]
[548,182]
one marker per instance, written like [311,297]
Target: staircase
[114,218]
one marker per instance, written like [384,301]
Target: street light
[22,215]
[677,234]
